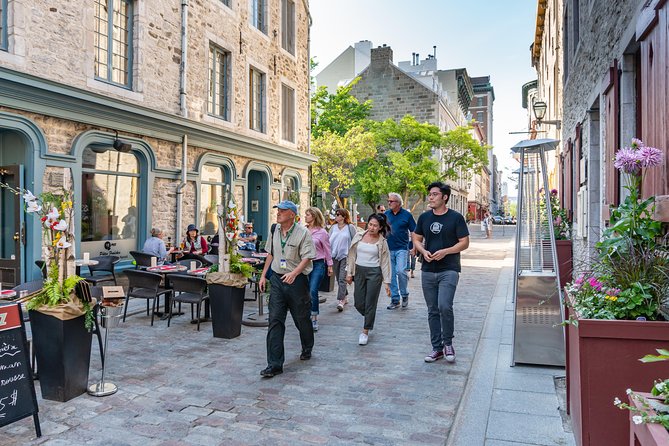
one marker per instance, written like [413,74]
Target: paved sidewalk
[503,404]
[178,386]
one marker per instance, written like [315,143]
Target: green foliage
[55,293]
[405,163]
[338,156]
[336,113]
[461,154]
[239,267]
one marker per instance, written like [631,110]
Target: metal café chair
[212,258]
[103,271]
[41,264]
[145,285]
[142,259]
[190,290]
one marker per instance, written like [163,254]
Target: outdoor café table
[164,270]
[7,294]
[83,262]
[259,319]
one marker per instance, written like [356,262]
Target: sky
[487,37]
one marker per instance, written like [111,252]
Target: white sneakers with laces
[362,340]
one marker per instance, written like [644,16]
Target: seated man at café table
[155,246]
[248,238]
[291,250]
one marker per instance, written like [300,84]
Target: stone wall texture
[601,30]
[55,41]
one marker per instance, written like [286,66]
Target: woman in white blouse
[369,267]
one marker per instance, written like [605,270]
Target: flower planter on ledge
[646,434]
[602,363]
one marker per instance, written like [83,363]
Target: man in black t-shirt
[441,234]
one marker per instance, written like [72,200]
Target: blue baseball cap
[287,204]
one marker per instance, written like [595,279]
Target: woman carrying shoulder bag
[369,264]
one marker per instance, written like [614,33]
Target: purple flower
[637,143]
[579,280]
[649,156]
[554,191]
[627,161]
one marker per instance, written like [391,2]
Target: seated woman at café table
[194,246]
[248,238]
[156,246]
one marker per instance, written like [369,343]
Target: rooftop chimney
[382,56]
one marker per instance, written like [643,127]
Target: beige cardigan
[384,256]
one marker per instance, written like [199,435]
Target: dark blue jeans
[315,277]
[439,292]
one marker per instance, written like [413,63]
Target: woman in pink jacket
[313,218]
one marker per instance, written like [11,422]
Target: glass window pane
[110,160]
[212,174]
[109,207]
[211,195]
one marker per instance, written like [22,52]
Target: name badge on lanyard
[283,264]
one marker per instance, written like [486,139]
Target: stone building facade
[610,65]
[199,97]
[395,92]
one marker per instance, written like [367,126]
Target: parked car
[509,220]
[497,220]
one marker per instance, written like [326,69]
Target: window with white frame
[287,113]
[113,37]
[226,2]
[259,14]
[218,103]
[288,25]
[256,100]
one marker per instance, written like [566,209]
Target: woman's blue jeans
[315,277]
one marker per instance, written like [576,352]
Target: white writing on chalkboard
[8,350]
[18,377]
[13,365]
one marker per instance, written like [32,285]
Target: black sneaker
[449,353]
[393,306]
[271,372]
[305,355]
[405,302]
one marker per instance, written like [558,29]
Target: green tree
[461,154]
[336,113]
[338,157]
[405,163]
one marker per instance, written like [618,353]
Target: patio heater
[538,337]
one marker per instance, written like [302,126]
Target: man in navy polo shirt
[402,225]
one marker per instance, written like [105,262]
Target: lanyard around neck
[282,240]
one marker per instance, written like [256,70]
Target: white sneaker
[340,305]
[362,340]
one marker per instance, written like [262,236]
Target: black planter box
[63,353]
[227,306]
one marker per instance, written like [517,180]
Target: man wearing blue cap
[290,252]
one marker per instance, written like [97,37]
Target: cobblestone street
[180,386]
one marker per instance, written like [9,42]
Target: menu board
[17,391]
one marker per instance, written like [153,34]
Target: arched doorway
[257,202]
[15,154]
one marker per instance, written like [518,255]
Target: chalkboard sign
[17,392]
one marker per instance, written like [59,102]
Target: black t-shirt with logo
[439,232]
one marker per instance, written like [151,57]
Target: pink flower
[627,161]
[649,156]
[596,284]
[558,220]
[637,143]
[580,279]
